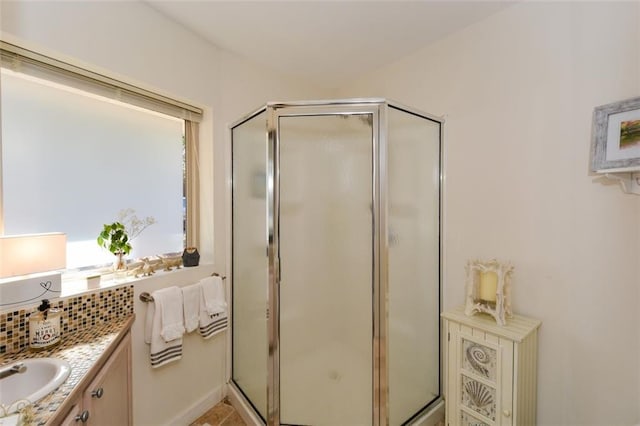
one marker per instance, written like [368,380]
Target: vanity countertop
[86,351]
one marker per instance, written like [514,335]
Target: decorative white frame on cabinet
[499,306]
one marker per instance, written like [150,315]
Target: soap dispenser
[44,327]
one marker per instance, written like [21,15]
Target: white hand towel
[161,352]
[170,299]
[213,307]
[214,297]
[191,306]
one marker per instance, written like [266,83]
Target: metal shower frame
[377,108]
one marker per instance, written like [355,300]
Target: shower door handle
[277,271]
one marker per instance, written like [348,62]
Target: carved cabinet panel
[490,370]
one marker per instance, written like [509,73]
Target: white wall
[129,40]
[176,393]
[518,91]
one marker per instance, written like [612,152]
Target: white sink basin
[42,375]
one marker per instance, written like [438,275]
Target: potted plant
[117,236]
[114,238]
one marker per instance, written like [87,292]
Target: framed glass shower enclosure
[336,262]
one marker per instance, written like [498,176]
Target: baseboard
[242,406]
[198,408]
[432,417]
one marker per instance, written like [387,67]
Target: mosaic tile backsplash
[79,313]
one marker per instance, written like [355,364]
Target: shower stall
[336,263]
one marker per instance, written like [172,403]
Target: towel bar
[146,297]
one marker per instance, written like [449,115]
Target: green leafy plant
[114,238]
[117,236]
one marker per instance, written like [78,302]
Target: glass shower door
[413,305]
[326,269]
[250,263]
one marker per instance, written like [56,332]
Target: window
[78,148]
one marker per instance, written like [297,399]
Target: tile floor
[222,414]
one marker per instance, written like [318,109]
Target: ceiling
[325,42]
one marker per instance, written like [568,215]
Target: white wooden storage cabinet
[490,370]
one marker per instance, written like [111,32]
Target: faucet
[16,369]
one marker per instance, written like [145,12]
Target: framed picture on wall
[615,144]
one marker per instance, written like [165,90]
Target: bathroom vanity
[98,390]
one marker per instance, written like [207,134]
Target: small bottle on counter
[44,327]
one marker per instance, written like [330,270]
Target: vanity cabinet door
[74,416]
[108,397]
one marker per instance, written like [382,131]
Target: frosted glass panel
[414,174]
[71,162]
[250,263]
[326,270]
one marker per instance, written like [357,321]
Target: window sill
[75,286]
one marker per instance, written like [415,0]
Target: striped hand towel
[213,307]
[161,351]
